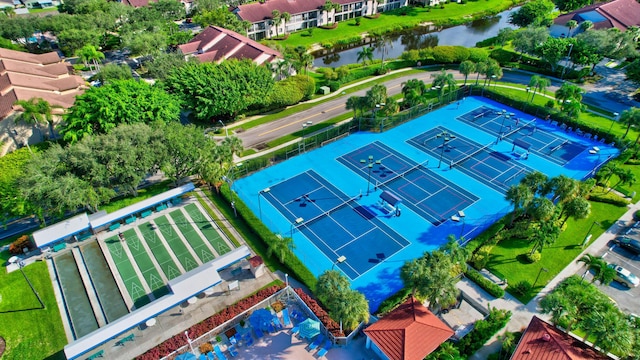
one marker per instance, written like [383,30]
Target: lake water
[463,35]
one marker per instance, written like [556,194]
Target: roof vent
[546,337]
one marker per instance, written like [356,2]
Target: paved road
[336,106]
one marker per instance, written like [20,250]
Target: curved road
[336,106]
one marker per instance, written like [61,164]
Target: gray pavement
[522,313]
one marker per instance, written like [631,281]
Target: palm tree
[382,44]
[9,11]
[519,196]
[414,275]
[413,91]
[458,254]
[563,187]
[535,181]
[494,71]
[89,54]
[571,24]
[37,110]
[480,69]
[630,117]
[546,234]
[442,80]
[366,53]
[306,60]
[466,68]
[569,92]
[285,17]
[281,246]
[542,85]
[351,309]
[276,18]
[586,25]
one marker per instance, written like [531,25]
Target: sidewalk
[521,313]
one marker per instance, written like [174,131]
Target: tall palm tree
[285,18]
[276,18]
[564,188]
[542,85]
[9,11]
[414,275]
[546,234]
[351,309]
[413,92]
[480,69]
[281,246]
[366,53]
[630,117]
[571,24]
[466,68]
[443,80]
[578,208]
[569,92]
[586,25]
[306,60]
[383,44]
[519,196]
[354,103]
[88,54]
[37,110]
[535,181]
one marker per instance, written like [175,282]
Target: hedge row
[610,198]
[488,285]
[483,330]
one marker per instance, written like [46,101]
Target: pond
[464,35]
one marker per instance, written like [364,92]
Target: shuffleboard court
[146,266]
[429,195]
[496,170]
[207,228]
[336,224]
[175,243]
[507,126]
[189,233]
[127,272]
[159,251]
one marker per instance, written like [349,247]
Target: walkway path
[522,313]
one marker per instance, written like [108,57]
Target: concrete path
[521,313]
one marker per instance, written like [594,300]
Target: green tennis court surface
[127,273]
[159,251]
[175,243]
[146,266]
[206,227]
[194,239]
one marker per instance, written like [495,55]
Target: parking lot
[626,298]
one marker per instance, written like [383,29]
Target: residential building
[619,14]
[542,340]
[305,14]
[410,332]
[24,76]
[216,44]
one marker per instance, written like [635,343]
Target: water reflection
[423,37]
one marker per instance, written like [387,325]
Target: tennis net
[326,213]
[402,174]
[467,157]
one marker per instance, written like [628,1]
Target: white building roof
[142,205]
[182,288]
[61,230]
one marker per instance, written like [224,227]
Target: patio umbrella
[309,328]
[260,318]
[186,356]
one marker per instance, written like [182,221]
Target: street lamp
[588,236]
[566,61]
[537,277]
[446,137]
[226,131]
[305,125]
[186,333]
[339,260]
[297,222]
[369,162]
[493,78]
[263,191]
[528,89]
[616,116]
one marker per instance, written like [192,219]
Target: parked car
[632,245]
[624,276]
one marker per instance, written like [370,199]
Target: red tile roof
[257,11]
[24,76]
[542,340]
[409,332]
[217,44]
[621,14]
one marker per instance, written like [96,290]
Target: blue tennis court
[333,200]
[429,195]
[492,168]
[507,126]
[335,222]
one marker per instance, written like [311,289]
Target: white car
[624,276]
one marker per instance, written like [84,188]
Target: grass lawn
[453,13]
[30,334]
[507,260]
[143,194]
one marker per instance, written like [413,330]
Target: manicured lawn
[507,260]
[453,13]
[30,334]
[145,193]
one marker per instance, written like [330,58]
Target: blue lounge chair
[233,351]
[210,356]
[285,317]
[259,333]
[202,357]
[295,330]
[327,347]
[277,323]
[248,341]
[317,342]
[219,353]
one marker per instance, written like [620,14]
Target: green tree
[533,13]
[528,39]
[625,176]
[383,44]
[466,68]
[101,109]
[504,35]
[443,81]
[519,196]
[276,19]
[480,69]
[365,54]
[281,246]
[535,181]
[37,110]
[431,278]
[347,306]
[72,40]
[571,24]
[146,43]
[552,51]
[570,5]
[570,92]
[111,72]
[545,235]
[577,208]
[630,117]
[9,11]
[353,103]
[414,92]
[186,150]
[164,63]
[89,54]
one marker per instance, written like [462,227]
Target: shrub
[205,348]
[333,85]
[533,258]
[522,288]
[550,104]
[488,285]
[483,331]
[17,247]
[609,198]
[381,70]
[358,20]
